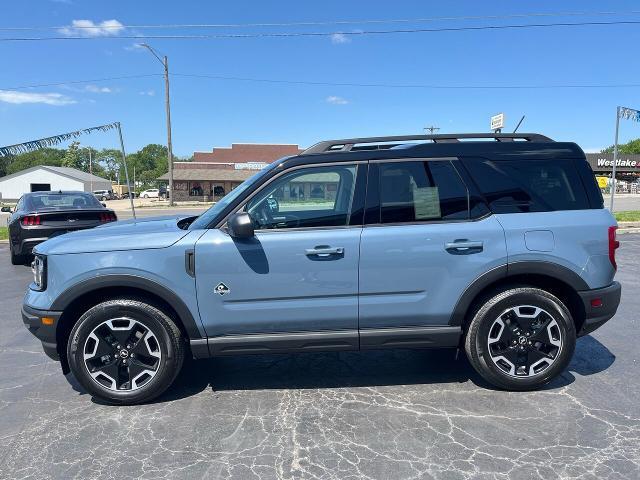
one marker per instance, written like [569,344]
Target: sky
[209,112]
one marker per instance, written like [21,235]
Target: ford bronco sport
[497,244]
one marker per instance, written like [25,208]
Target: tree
[45,156]
[629,148]
[72,158]
[148,164]
[109,160]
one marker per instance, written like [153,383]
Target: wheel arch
[553,278]
[78,299]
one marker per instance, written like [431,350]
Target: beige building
[211,175]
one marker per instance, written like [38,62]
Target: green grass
[4,233]
[628,216]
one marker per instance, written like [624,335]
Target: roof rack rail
[368,143]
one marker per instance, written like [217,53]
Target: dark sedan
[39,216]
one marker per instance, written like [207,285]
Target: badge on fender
[221,289]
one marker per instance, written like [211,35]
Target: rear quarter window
[517,186]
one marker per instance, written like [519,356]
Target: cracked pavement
[375,415]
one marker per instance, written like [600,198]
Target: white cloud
[97,89]
[87,28]
[339,38]
[335,100]
[134,47]
[15,97]
[148,93]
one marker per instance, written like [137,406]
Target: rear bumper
[596,316]
[32,319]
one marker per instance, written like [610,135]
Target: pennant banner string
[32,145]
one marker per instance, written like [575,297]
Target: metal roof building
[44,178]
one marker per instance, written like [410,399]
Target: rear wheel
[15,258]
[125,351]
[520,339]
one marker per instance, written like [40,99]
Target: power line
[408,86]
[334,84]
[322,34]
[324,23]
[73,82]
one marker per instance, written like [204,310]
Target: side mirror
[240,225]
[6,209]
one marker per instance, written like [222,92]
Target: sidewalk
[628,227]
[122,205]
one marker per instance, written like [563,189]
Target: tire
[103,199]
[541,327]
[145,196]
[16,259]
[140,369]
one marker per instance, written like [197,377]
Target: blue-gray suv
[496,244]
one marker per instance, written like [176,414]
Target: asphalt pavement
[376,415]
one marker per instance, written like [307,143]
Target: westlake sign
[603,162]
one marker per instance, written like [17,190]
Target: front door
[298,275]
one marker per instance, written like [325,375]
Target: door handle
[323,251]
[461,247]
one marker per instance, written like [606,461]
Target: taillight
[108,217]
[31,220]
[613,245]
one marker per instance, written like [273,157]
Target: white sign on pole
[497,121]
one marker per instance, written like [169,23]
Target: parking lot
[388,414]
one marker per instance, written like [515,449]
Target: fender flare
[531,267]
[123,280]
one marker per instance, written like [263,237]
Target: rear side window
[421,192]
[512,186]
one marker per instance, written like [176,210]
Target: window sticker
[426,202]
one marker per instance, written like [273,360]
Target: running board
[410,337]
[284,343]
[342,340]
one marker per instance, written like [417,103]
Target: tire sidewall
[148,316]
[537,298]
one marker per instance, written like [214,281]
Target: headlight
[39,269]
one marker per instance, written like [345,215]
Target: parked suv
[501,248]
[104,195]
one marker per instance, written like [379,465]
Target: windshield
[207,217]
[51,201]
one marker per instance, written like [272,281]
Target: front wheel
[521,339]
[145,196]
[125,351]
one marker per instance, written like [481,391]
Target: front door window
[306,198]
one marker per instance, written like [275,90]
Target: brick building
[212,175]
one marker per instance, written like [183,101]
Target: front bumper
[32,319]
[599,305]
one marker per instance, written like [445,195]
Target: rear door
[426,239]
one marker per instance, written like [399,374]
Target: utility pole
[90,171]
[615,160]
[165,63]
[431,129]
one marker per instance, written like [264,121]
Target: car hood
[150,232]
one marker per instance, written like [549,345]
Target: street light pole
[165,63]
